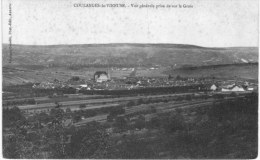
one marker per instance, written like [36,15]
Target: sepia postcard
[130,79]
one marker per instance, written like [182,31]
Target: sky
[210,23]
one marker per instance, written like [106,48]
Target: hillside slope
[127,55]
[234,71]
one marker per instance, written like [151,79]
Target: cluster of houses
[234,86]
[102,81]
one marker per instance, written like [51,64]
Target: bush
[120,123]
[11,116]
[233,94]
[130,104]
[76,118]
[154,123]
[75,78]
[179,98]
[139,123]
[188,97]
[219,96]
[140,101]
[110,118]
[82,106]
[153,109]
[173,122]
[43,117]
[117,110]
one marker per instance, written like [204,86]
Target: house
[213,87]
[101,76]
[250,88]
[235,88]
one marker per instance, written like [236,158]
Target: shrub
[233,94]
[110,118]
[117,110]
[173,122]
[130,104]
[120,123]
[82,106]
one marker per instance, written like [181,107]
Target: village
[102,81]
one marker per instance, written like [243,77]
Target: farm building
[101,76]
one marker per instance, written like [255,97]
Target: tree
[57,104]
[68,110]
[219,96]
[233,94]
[68,113]
[117,110]
[76,118]
[16,145]
[178,77]
[120,123]
[110,118]
[130,104]
[56,115]
[153,109]
[140,101]
[188,97]
[82,106]
[140,123]
[75,78]
[43,117]
[179,98]
[88,142]
[154,122]
[11,116]
[173,122]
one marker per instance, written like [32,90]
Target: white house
[213,87]
[233,89]
[250,88]
[237,89]
[101,76]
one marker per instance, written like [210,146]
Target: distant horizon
[132,44]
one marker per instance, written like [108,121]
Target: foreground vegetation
[226,129]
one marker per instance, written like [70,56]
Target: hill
[123,55]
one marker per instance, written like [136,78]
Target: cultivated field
[242,71]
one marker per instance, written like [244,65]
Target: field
[238,71]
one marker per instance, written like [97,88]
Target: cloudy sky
[210,23]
